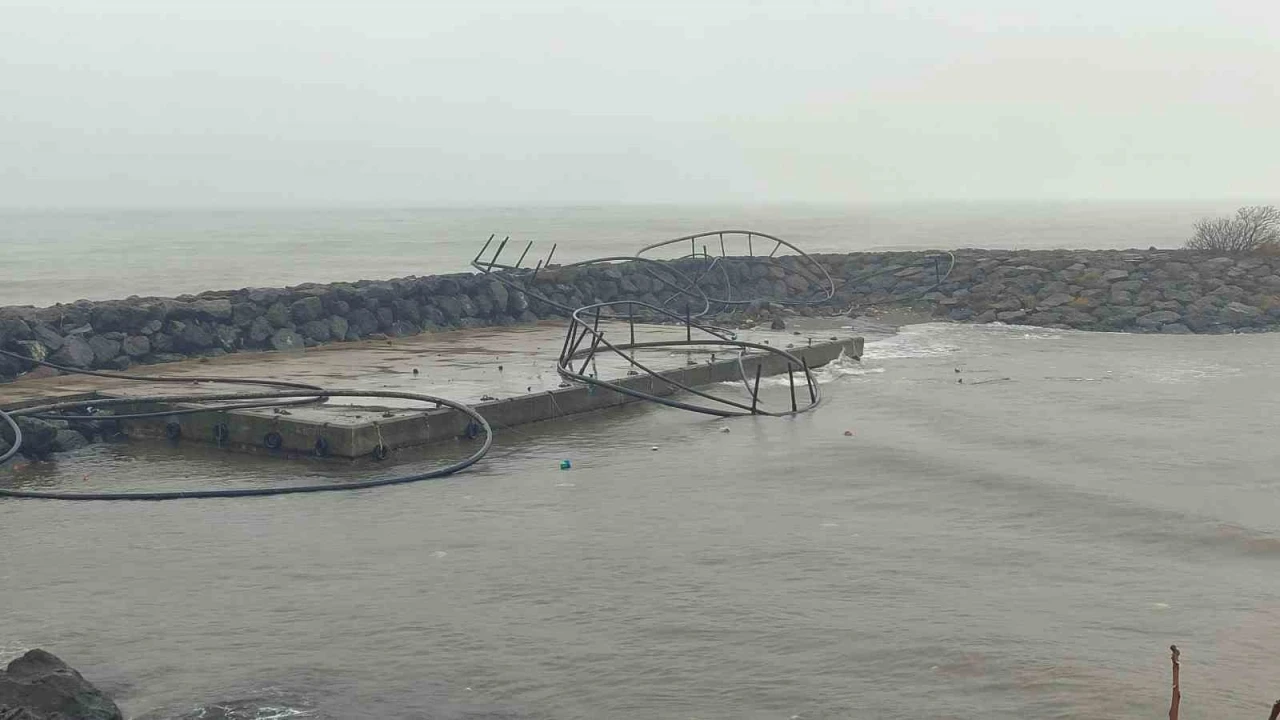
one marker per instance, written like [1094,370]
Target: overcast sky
[370,102]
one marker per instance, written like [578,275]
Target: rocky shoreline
[1166,291]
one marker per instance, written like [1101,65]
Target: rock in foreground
[39,686]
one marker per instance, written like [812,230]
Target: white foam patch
[842,367]
[1188,373]
[1019,332]
[914,341]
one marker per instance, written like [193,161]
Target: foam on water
[915,341]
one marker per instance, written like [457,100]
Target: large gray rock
[450,306]
[14,328]
[38,436]
[285,339]
[226,337]
[307,309]
[1055,300]
[362,322]
[1158,318]
[338,327]
[517,303]
[1238,313]
[499,293]
[67,440]
[278,315]
[193,338]
[76,352]
[39,686]
[104,350]
[31,349]
[212,309]
[47,336]
[407,310]
[403,328]
[260,330]
[1113,275]
[136,345]
[162,343]
[242,314]
[317,330]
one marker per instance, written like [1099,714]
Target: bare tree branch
[1176,700]
[1253,229]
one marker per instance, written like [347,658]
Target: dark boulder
[33,350]
[338,327]
[76,352]
[242,314]
[68,440]
[260,330]
[499,293]
[287,340]
[192,338]
[12,367]
[1158,318]
[450,306]
[39,686]
[226,337]
[307,309]
[162,343]
[47,336]
[407,310]
[517,303]
[362,322]
[136,345]
[278,315]
[385,318]
[121,362]
[104,350]
[317,330]
[14,328]
[38,436]
[211,309]
[403,328]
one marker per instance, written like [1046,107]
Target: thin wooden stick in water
[1275,711]
[1177,691]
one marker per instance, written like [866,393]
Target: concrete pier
[346,432]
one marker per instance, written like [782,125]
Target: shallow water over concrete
[1025,543]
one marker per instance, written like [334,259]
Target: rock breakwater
[1167,291]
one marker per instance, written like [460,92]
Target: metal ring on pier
[516,277]
[721,407]
[827,291]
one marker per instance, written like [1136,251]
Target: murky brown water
[1026,543]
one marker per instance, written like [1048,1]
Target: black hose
[290,394]
[449,469]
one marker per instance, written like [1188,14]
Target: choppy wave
[11,650]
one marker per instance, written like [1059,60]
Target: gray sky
[122,103]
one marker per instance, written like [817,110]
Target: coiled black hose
[291,393]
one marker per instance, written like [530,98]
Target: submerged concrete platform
[351,432]
[507,374]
